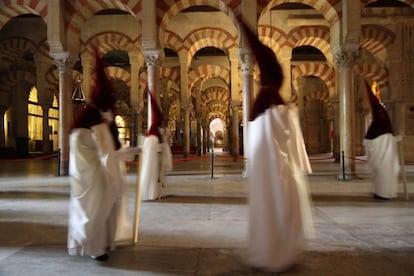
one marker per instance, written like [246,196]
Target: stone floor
[199,228]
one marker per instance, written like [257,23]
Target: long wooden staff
[402,162]
[137,200]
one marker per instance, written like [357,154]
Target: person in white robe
[382,150]
[277,166]
[156,156]
[97,206]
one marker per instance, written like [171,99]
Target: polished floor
[199,227]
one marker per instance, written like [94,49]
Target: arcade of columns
[344,42]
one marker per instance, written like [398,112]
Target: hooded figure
[277,164]
[156,156]
[97,210]
[382,150]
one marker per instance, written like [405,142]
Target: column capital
[186,107]
[152,57]
[235,104]
[345,58]
[246,61]
[63,65]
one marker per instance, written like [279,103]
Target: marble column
[2,133]
[247,63]
[19,127]
[395,77]
[298,87]
[284,58]
[46,130]
[336,151]
[64,66]
[153,62]
[205,137]
[345,60]
[235,128]
[185,111]
[134,96]
[198,120]
[86,74]
[235,100]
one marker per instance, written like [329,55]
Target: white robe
[278,194]
[156,159]
[382,153]
[97,208]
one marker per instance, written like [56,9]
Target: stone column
[134,96]
[345,60]
[64,66]
[205,137]
[46,130]
[395,56]
[153,62]
[285,63]
[198,119]
[19,127]
[235,100]
[86,74]
[2,133]
[185,111]
[336,151]
[235,128]
[246,61]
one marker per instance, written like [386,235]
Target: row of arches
[206,52]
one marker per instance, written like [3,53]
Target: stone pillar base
[346,176]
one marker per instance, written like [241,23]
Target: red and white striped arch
[109,41]
[13,8]
[78,11]
[215,93]
[119,73]
[12,48]
[206,37]
[12,78]
[322,71]
[376,38]
[171,8]
[215,114]
[207,71]
[173,41]
[172,74]
[372,71]
[317,95]
[271,37]
[331,9]
[168,9]
[316,36]
[408,2]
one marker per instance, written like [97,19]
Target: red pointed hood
[87,117]
[381,122]
[271,75]
[156,118]
[102,94]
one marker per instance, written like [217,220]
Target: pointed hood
[102,94]
[87,117]
[271,76]
[381,122]
[156,118]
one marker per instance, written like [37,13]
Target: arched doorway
[217,134]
